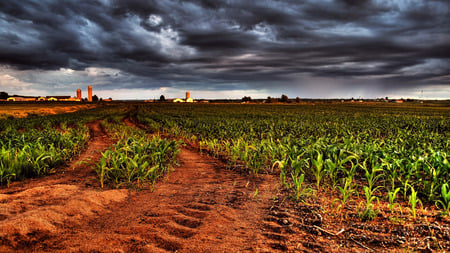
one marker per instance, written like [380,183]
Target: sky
[141,49]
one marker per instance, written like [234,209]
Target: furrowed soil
[201,206]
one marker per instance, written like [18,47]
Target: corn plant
[368,213]
[346,191]
[283,171]
[135,158]
[371,176]
[392,195]
[414,201]
[445,202]
[317,169]
[331,168]
[299,190]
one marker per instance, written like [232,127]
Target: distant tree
[246,99]
[387,98]
[269,99]
[94,98]
[297,100]
[162,98]
[3,95]
[284,98]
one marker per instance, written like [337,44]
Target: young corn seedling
[299,191]
[445,202]
[331,168]
[413,201]
[431,181]
[255,193]
[317,169]
[101,167]
[368,213]
[390,170]
[392,195]
[371,176]
[282,166]
[346,192]
[406,187]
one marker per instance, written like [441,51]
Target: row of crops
[35,146]
[389,153]
[136,158]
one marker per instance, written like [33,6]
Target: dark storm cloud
[221,41]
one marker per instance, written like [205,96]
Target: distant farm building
[58,97]
[188,99]
[70,99]
[17,98]
[90,93]
[20,99]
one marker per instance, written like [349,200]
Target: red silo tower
[188,95]
[90,93]
[79,94]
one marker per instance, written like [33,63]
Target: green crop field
[387,153]
[37,145]
[379,152]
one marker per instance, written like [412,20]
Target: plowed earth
[200,207]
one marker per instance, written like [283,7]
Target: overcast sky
[138,49]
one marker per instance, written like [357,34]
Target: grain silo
[90,93]
[188,97]
[79,94]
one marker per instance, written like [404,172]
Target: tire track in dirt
[200,207]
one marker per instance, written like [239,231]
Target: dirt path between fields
[199,207]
